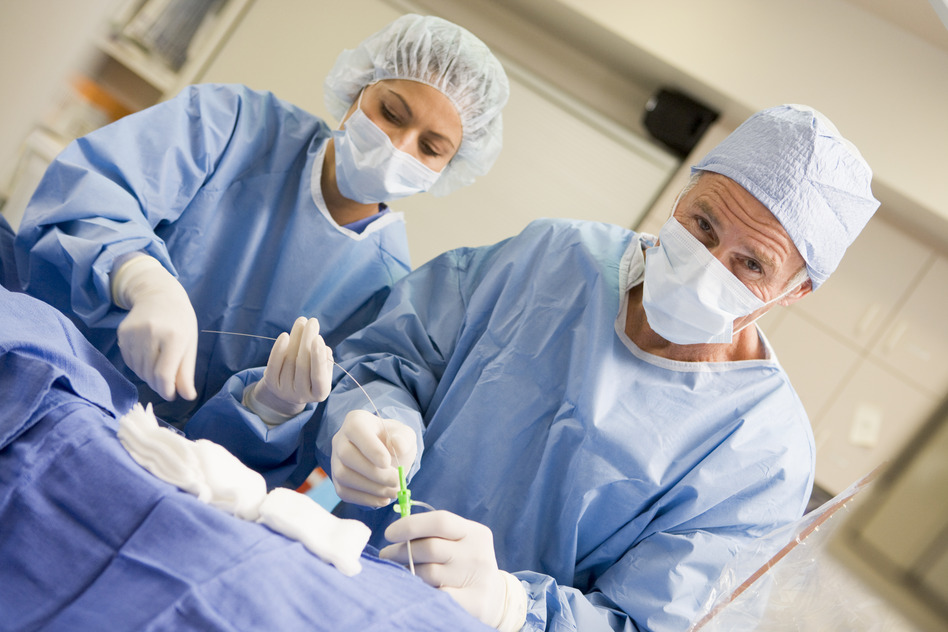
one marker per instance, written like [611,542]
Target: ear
[805,288]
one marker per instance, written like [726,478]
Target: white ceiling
[915,16]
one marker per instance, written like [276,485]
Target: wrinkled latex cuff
[270,416]
[129,270]
[515,605]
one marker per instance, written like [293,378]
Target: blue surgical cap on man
[815,182]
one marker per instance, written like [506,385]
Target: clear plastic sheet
[790,581]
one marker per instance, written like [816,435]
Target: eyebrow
[757,254]
[411,114]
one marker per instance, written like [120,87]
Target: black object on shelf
[677,120]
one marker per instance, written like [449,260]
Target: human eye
[752,267]
[429,149]
[702,230]
[389,113]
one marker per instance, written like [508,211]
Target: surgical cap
[815,182]
[444,56]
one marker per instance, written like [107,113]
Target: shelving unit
[128,68]
[120,76]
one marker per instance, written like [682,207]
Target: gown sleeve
[106,193]
[273,451]
[400,359]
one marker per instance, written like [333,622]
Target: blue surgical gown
[617,483]
[8,278]
[217,184]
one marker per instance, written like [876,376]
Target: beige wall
[560,157]
[886,89]
[41,43]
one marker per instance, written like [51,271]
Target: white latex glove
[298,372]
[366,453]
[158,337]
[457,556]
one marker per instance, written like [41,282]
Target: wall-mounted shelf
[121,70]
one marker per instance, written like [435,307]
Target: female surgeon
[227,209]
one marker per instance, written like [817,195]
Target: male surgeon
[593,412]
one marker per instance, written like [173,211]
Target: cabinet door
[872,279]
[867,424]
[916,342]
[816,360]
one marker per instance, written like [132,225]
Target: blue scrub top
[217,184]
[617,483]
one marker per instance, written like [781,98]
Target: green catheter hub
[404,494]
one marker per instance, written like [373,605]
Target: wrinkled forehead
[814,181]
[728,205]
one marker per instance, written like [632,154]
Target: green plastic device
[404,494]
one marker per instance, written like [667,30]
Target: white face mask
[689,296]
[370,169]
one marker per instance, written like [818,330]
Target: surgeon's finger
[353,487]
[397,552]
[276,360]
[312,324]
[170,354]
[321,370]
[133,355]
[437,574]
[354,470]
[402,441]
[361,498]
[184,381]
[138,349]
[366,432]
[430,550]
[303,383]
[288,370]
[432,559]
[429,524]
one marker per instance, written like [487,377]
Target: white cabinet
[815,359]
[871,281]
[867,424]
[867,351]
[915,344]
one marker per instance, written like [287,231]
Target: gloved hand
[366,452]
[298,372]
[457,556]
[158,337]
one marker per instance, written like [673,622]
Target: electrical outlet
[866,426]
